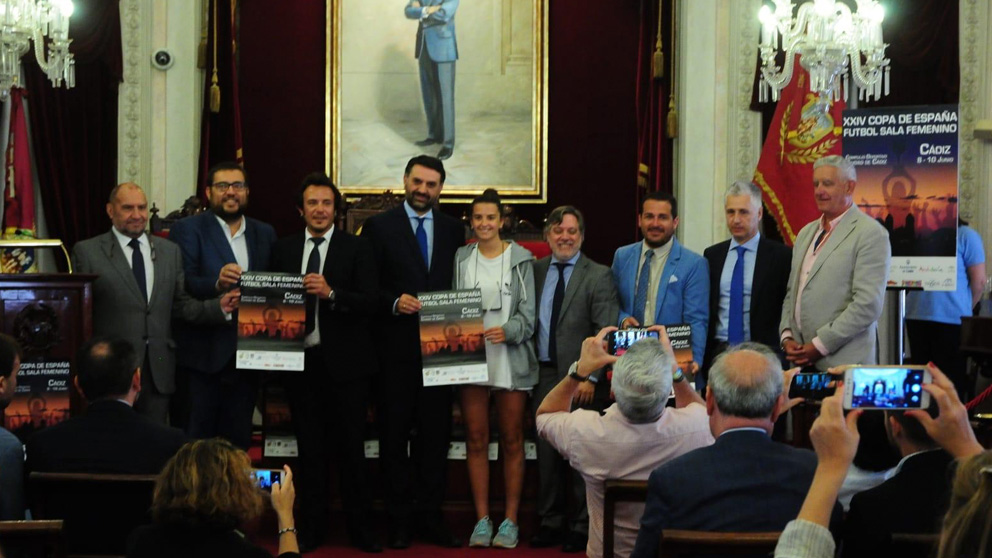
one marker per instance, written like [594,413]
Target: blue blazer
[683,291]
[205,252]
[436,30]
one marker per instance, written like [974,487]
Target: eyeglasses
[223,186]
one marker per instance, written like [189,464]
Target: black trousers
[420,416]
[329,405]
[940,344]
[223,403]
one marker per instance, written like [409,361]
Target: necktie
[138,267]
[819,239]
[556,312]
[313,266]
[422,241]
[641,296]
[735,327]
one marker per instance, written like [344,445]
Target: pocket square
[673,279]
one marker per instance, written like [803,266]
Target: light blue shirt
[947,307]
[428,227]
[547,301]
[723,312]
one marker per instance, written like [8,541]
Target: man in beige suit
[840,264]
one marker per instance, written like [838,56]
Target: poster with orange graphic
[451,337]
[41,398]
[906,160]
[272,320]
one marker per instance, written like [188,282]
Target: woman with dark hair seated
[204,493]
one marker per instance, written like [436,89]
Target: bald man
[138,290]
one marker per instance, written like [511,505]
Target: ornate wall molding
[973,64]
[129,106]
[745,124]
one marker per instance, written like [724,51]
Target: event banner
[271,321]
[907,164]
[451,337]
[41,398]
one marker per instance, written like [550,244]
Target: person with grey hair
[744,481]
[575,299]
[840,265]
[749,275]
[633,436]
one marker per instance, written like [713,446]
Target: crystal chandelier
[26,21]
[828,38]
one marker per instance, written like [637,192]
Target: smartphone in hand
[886,387]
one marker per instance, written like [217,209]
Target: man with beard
[414,248]
[217,246]
[11,451]
[659,281]
[575,299]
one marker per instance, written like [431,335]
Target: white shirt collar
[227,228]
[124,240]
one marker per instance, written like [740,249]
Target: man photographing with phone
[634,436]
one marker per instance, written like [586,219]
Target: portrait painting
[461,80]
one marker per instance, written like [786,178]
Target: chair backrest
[99,510]
[32,539]
[619,491]
[675,543]
[914,545]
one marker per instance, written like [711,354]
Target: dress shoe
[399,538]
[435,532]
[445,153]
[575,542]
[425,142]
[366,542]
[546,537]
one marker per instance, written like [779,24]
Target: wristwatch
[573,373]
[677,376]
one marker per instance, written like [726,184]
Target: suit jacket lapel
[162,275]
[666,275]
[843,230]
[295,254]
[541,268]
[217,236]
[118,260]
[406,231]
[578,273]
[251,240]
[333,247]
[761,265]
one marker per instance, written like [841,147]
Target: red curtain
[654,148]
[74,131]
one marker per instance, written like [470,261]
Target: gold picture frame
[374,107]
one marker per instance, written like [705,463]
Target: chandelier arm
[779,78]
[39,50]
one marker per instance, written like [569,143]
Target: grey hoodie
[519,329]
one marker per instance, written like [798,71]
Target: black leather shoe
[575,542]
[425,142]
[435,532]
[546,537]
[445,153]
[399,538]
[366,542]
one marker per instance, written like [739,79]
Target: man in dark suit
[141,310]
[110,437]
[329,399]
[217,245]
[575,299]
[744,481]
[746,293]
[414,246]
[913,500]
[11,448]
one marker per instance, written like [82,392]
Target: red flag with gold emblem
[800,133]
[18,192]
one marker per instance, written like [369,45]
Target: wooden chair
[32,539]
[913,545]
[676,543]
[619,491]
[99,510]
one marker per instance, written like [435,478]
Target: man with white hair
[744,481]
[634,436]
[749,275]
[840,264]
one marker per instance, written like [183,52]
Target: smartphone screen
[265,477]
[619,341]
[814,385]
[886,387]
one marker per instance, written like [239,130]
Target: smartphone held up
[886,387]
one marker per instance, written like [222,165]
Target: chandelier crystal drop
[828,39]
[45,23]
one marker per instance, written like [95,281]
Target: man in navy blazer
[217,246]
[744,481]
[437,51]
[329,398]
[764,273]
[677,285]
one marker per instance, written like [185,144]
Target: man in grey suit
[840,264]
[576,298]
[436,53]
[139,288]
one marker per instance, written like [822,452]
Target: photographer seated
[202,497]
[912,500]
[110,437]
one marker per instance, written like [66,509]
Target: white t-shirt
[492,277]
